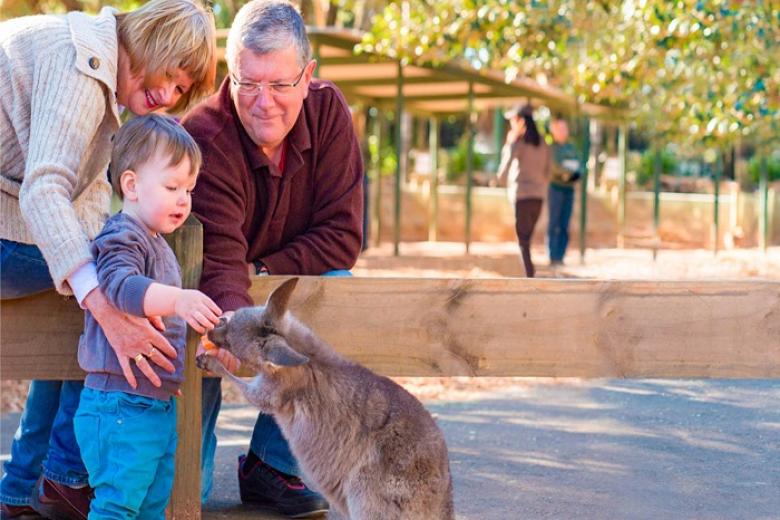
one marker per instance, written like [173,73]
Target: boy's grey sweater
[128,261]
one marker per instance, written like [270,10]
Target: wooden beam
[517,327]
[488,327]
[39,337]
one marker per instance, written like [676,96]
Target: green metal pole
[657,165]
[469,163]
[376,167]
[399,109]
[499,124]
[584,186]
[716,204]
[621,210]
[433,145]
[763,193]
[316,56]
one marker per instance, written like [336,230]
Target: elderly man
[280,192]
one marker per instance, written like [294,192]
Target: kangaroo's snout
[218,334]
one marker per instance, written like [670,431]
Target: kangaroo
[361,440]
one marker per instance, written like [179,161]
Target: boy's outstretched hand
[197,309]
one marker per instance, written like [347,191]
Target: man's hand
[132,338]
[197,309]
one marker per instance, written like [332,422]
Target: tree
[700,72]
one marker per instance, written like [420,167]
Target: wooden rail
[475,327]
[483,327]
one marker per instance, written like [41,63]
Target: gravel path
[571,449]
[610,449]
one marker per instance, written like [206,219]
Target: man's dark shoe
[264,486]
[10,512]
[60,502]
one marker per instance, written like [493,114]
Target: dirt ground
[568,448]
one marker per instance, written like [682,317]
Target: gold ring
[138,358]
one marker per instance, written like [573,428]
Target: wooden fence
[448,327]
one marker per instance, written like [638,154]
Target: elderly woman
[64,81]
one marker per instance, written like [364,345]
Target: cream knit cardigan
[58,77]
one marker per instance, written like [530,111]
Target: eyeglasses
[276,88]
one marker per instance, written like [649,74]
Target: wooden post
[399,110]
[187,244]
[470,128]
[433,146]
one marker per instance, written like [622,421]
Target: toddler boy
[127,434]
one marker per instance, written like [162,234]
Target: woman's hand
[132,338]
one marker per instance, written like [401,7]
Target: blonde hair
[138,140]
[164,35]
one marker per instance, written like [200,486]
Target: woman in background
[525,168]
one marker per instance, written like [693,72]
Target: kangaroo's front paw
[206,362]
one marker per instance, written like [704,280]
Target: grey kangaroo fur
[361,440]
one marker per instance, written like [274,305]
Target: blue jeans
[560,203]
[46,425]
[129,445]
[267,441]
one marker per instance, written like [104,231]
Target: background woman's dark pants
[527,212]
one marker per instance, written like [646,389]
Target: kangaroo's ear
[277,302]
[280,354]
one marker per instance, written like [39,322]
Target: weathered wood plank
[520,327]
[39,337]
[494,327]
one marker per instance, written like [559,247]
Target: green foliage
[773,168]
[388,161]
[456,165]
[700,72]
[646,168]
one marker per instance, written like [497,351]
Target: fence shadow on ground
[607,449]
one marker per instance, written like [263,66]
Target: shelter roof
[428,89]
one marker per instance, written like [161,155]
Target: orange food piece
[207,343]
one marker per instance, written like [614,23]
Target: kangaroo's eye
[267,330]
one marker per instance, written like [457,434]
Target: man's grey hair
[264,26]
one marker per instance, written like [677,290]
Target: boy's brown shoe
[60,502]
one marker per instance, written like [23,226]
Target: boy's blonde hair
[164,35]
[138,140]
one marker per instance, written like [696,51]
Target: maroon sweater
[304,220]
